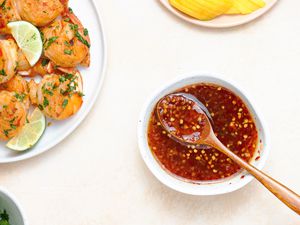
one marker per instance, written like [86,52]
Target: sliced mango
[245,6]
[202,9]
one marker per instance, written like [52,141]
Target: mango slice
[245,6]
[202,9]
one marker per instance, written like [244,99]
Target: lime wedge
[30,134]
[28,39]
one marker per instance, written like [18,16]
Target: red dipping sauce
[233,125]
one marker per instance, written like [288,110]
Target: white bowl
[13,208]
[227,185]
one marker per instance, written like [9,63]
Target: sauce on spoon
[182,117]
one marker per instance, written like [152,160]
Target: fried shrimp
[39,12]
[58,96]
[13,114]
[8,60]
[8,13]
[18,85]
[67,42]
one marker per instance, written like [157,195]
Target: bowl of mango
[218,13]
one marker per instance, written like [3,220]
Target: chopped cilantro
[85,32]
[81,39]
[50,41]
[45,62]
[46,91]
[20,97]
[69,76]
[65,103]
[68,52]
[62,79]
[12,120]
[4,218]
[6,132]
[2,6]
[45,102]
[78,35]
[2,72]
[67,44]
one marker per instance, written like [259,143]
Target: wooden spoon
[194,112]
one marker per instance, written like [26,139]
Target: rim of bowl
[202,188]
[14,200]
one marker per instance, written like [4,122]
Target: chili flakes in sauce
[233,125]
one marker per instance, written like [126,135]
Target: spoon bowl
[176,111]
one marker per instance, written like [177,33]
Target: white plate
[222,21]
[92,82]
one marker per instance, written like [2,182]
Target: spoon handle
[287,196]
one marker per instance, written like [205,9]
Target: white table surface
[96,176]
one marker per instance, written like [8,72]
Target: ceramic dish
[227,185]
[222,21]
[13,208]
[93,78]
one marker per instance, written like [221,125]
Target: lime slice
[30,134]
[28,39]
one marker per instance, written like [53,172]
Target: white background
[96,176]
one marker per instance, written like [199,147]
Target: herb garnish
[20,97]
[74,27]
[45,102]
[85,32]
[2,6]
[50,41]
[2,72]
[68,52]
[67,44]
[65,103]
[6,132]
[45,62]
[4,218]
[81,39]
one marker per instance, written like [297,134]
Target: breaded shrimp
[13,114]
[58,96]
[8,60]
[67,42]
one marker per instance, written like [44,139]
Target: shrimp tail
[75,20]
